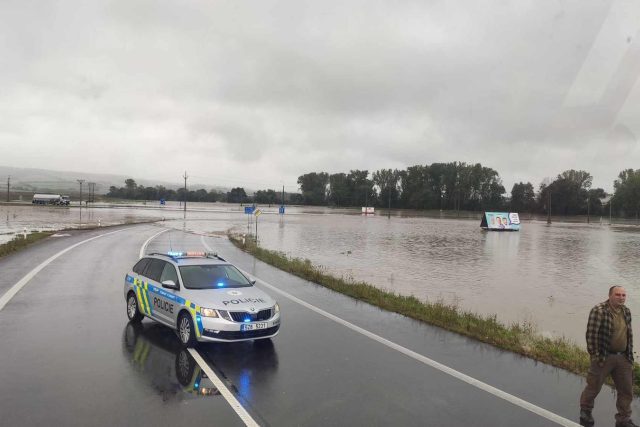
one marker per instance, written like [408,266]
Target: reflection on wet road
[163,364]
[248,363]
[169,371]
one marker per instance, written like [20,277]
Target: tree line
[462,186]
[133,191]
[441,186]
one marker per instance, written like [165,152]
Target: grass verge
[519,338]
[20,242]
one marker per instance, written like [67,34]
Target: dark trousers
[622,375]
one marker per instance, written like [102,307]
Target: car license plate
[252,326]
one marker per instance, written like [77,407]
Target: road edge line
[224,391]
[145,244]
[434,364]
[4,300]
[427,361]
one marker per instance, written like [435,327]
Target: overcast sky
[255,94]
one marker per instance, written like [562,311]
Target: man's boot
[586,419]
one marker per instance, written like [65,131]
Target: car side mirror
[253,282]
[169,284]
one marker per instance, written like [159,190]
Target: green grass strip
[520,338]
[20,242]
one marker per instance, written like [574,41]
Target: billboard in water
[501,221]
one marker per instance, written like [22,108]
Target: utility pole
[8,186]
[92,187]
[389,211]
[80,181]
[610,203]
[366,201]
[185,194]
[548,207]
[588,209]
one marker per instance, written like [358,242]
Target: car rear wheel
[186,333]
[133,313]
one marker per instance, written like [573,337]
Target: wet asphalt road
[69,357]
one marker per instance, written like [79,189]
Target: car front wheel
[133,313]
[186,333]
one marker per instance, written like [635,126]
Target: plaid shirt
[599,331]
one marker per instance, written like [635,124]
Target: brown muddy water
[548,275]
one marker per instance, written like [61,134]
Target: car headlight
[276,308]
[208,312]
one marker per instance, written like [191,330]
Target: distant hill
[60,182]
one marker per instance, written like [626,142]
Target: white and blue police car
[201,296]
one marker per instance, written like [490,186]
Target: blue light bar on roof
[174,254]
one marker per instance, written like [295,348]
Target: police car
[201,296]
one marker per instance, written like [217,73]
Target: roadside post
[248,210]
[80,181]
[257,214]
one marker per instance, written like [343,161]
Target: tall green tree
[387,181]
[115,192]
[569,193]
[340,190]
[130,188]
[483,188]
[266,197]
[362,192]
[596,195]
[523,197]
[453,185]
[435,182]
[413,183]
[627,192]
[314,187]
[237,195]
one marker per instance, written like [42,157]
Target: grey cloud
[291,87]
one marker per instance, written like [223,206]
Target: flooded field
[549,275]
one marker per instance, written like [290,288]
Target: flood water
[548,275]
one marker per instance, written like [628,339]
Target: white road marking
[419,357]
[22,282]
[144,245]
[224,391]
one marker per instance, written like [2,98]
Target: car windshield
[212,277]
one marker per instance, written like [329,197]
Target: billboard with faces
[502,221]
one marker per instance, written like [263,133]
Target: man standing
[610,345]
